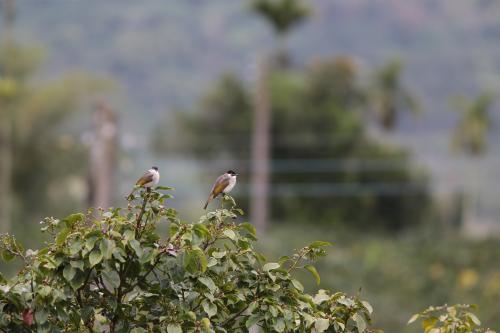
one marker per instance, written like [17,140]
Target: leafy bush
[450,319]
[114,271]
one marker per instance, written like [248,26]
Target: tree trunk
[5,172]
[8,9]
[102,157]
[261,142]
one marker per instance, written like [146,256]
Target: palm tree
[282,15]
[472,128]
[390,96]
[470,136]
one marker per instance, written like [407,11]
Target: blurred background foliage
[320,147]
[367,150]
[403,274]
[46,154]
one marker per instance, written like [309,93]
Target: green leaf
[7,256]
[61,237]
[147,254]
[321,324]
[230,234]
[195,261]
[279,325]
[208,282]
[270,266]
[367,306]
[209,308]
[69,273]
[201,229]
[75,247]
[129,234]
[174,328]
[107,246]
[319,244]
[165,188]
[314,273]
[260,257]
[346,301]
[252,320]
[249,228]
[111,279]
[73,218]
[474,318]
[136,246]
[218,255]
[138,330]
[87,312]
[413,318]
[119,254]
[428,323]
[283,259]
[77,280]
[45,291]
[77,264]
[90,242]
[41,315]
[360,322]
[95,257]
[297,285]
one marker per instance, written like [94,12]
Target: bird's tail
[210,197]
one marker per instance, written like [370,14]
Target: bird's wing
[146,178]
[220,184]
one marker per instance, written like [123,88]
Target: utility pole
[261,150]
[103,153]
[6,128]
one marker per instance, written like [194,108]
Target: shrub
[115,271]
[450,319]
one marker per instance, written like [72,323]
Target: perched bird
[224,184]
[149,179]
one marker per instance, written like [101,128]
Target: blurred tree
[261,150]
[390,96]
[472,128]
[45,159]
[470,137]
[7,91]
[282,15]
[226,96]
[319,147]
[103,156]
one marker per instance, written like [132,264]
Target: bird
[149,179]
[224,184]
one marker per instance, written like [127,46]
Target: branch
[143,208]
[296,262]
[236,315]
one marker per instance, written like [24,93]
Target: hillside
[166,53]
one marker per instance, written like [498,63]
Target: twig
[302,255]
[143,208]
[236,315]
